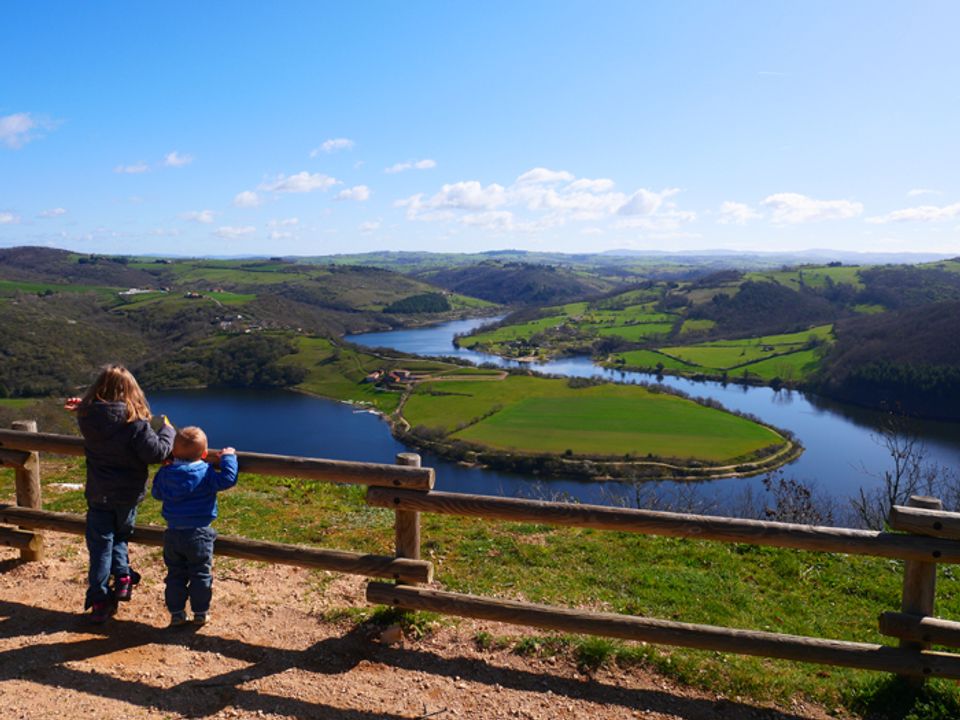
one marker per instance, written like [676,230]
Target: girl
[119,443]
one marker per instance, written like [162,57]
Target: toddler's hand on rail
[227,451]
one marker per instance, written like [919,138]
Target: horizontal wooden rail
[920,628]
[416,571]
[20,539]
[705,637]
[341,471]
[14,458]
[934,523]
[651,522]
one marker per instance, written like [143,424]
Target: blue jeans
[109,527]
[188,553]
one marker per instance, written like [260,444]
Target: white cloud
[426,164]
[331,146]
[8,218]
[645,202]
[302,182]
[200,216]
[247,199]
[20,128]
[285,222]
[175,159]
[543,175]
[542,198]
[135,169]
[52,213]
[596,186]
[917,192]
[369,226]
[922,213]
[280,235]
[736,213]
[491,220]
[794,208]
[591,231]
[357,192]
[228,232]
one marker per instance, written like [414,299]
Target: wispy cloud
[794,208]
[302,182]
[400,167]
[8,218]
[246,199]
[201,216]
[369,226]
[922,213]
[135,169]
[229,232]
[175,159]
[358,193]
[917,192]
[52,213]
[736,213]
[284,222]
[20,128]
[331,146]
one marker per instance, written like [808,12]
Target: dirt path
[269,653]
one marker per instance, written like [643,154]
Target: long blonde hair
[117,384]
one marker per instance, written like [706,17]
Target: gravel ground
[269,653]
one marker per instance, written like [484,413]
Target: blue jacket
[189,490]
[118,453]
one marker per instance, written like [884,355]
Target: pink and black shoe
[123,586]
[101,611]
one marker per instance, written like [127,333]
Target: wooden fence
[928,536]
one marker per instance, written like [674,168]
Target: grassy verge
[742,586]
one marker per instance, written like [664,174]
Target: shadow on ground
[49,664]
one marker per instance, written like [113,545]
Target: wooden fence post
[27,480]
[408,521]
[919,584]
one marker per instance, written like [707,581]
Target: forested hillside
[187,322]
[520,283]
[907,360]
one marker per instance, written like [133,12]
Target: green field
[637,333]
[733,354]
[535,415]
[814,276]
[650,359]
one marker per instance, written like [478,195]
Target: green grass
[733,585]
[691,326]
[790,367]
[737,354]
[812,276]
[534,415]
[512,332]
[17,403]
[12,287]
[650,358]
[638,333]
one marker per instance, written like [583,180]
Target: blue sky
[314,128]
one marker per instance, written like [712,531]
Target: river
[842,451]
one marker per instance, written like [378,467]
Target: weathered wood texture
[20,539]
[407,524]
[920,629]
[340,471]
[664,632]
[650,522]
[919,580]
[14,458]
[381,566]
[923,521]
[27,480]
